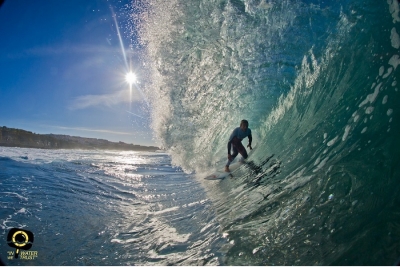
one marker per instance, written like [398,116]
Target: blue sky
[63,70]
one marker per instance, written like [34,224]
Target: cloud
[109,100]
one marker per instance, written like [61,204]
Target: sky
[63,67]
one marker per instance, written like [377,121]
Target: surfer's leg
[242,151]
[235,153]
[236,147]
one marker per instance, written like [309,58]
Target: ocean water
[318,82]
[105,208]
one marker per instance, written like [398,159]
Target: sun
[130,77]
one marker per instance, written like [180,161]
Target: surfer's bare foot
[227,169]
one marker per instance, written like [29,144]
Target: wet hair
[245,122]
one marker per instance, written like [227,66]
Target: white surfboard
[217,175]
[221,174]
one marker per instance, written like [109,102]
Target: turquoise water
[318,82]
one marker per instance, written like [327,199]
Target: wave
[318,83]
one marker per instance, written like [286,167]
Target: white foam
[371,97]
[394,37]
[384,100]
[17,195]
[330,143]
[4,223]
[23,210]
[389,71]
[206,227]
[394,61]
[381,70]
[321,164]
[317,161]
[164,210]
[299,182]
[369,110]
[256,250]
[394,10]
[346,132]
[116,240]
[200,202]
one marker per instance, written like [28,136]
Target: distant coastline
[11,137]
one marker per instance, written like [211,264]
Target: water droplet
[369,110]
[256,250]
[384,100]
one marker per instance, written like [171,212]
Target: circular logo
[19,239]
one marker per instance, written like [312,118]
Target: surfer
[235,141]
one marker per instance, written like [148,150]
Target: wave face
[318,82]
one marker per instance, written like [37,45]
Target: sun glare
[130,77]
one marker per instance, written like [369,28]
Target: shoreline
[12,137]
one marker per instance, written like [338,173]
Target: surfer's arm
[250,140]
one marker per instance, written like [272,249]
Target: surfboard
[217,175]
[221,174]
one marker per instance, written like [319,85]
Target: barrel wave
[318,83]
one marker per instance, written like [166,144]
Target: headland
[11,137]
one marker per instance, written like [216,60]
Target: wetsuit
[235,141]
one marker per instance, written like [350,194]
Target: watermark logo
[21,240]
